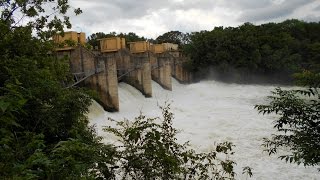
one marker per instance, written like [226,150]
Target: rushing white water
[210,112]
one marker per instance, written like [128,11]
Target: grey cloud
[311,18]
[193,4]
[121,8]
[273,11]
[130,9]
[101,11]
[245,4]
[134,9]
[130,15]
[317,8]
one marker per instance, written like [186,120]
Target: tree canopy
[175,37]
[44,133]
[272,50]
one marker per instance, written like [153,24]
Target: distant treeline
[265,53]
[269,52]
[93,39]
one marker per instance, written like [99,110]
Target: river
[209,112]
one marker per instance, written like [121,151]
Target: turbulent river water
[210,112]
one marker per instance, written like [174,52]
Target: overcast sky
[151,18]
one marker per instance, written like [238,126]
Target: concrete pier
[101,72]
[161,70]
[135,69]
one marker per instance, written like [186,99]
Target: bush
[149,150]
[298,125]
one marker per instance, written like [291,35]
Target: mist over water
[211,112]
[240,76]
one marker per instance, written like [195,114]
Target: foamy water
[210,112]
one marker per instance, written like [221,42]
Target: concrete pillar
[154,67]
[146,76]
[75,61]
[165,73]
[173,67]
[180,73]
[107,82]
[81,61]
[88,64]
[138,72]
[112,81]
[104,83]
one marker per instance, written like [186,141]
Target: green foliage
[175,37]
[131,37]
[298,125]
[53,19]
[44,133]
[308,78]
[148,149]
[275,51]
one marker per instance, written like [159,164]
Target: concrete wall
[161,70]
[105,70]
[178,71]
[135,69]
[107,82]
[104,83]
[139,47]
[71,35]
[112,44]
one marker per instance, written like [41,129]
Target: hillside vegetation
[252,53]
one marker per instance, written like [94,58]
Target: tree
[44,133]
[299,122]
[131,37]
[269,51]
[175,37]
[37,15]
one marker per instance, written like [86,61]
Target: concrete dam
[137,66]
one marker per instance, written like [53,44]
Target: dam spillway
[210,112]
